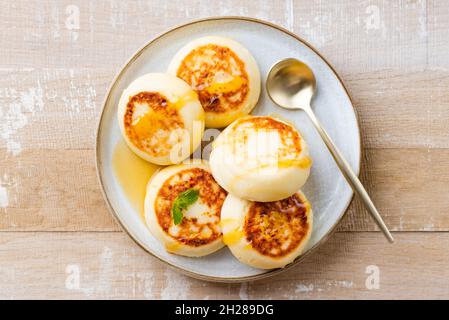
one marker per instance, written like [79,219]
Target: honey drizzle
[133,174]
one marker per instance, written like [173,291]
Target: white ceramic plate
[326,188]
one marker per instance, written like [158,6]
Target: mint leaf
[177,214]
[182,202]
[188,197]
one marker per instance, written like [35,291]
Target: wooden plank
[438,44]
[382,34]
[365,36]
[102,34]
[402,110]
[414,267]
[53,190]
[50,108]
[409,187]
[59,109]
[109,265]
[58,190]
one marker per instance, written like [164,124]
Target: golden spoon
[291,85]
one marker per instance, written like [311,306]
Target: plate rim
[98,162]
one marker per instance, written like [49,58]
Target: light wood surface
[54,73]
[109,265]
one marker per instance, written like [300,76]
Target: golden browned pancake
[199,232]
[192,231]
[160,118]
[267,234]
[277,228]
[290,146]
[223,73]
[203,64]
[261,159]
[151,131]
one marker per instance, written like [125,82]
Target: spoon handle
[350,176]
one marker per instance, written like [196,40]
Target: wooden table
[57,239]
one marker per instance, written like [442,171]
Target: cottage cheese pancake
[260,159]
[223,73]
[161,118]
[198,233]
[266,235]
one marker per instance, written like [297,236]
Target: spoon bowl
[291,85]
